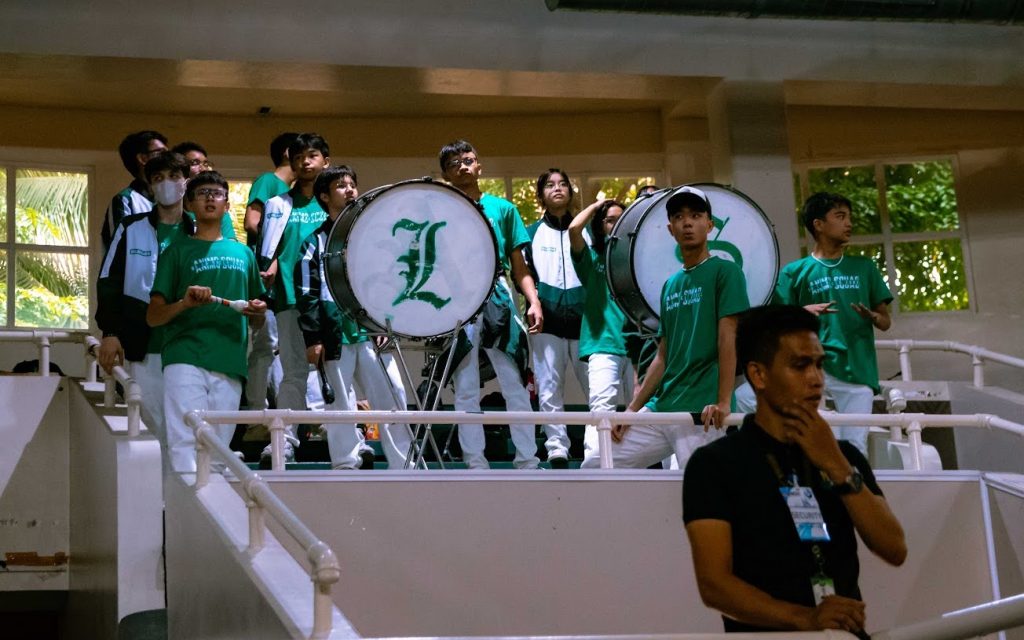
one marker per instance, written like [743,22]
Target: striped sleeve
[307,290]
[110,285]
[117,210]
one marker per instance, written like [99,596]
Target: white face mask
[169,192]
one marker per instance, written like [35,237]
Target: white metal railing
[964,623]
[979,355]
[44,338]
[132,390]
[260,500]
[277,420]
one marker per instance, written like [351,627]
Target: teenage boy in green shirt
[288,220]
[695,366]
[126,277]
[204,342]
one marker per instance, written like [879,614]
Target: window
[905,218]
[238,197]
[524,191]
[44,247]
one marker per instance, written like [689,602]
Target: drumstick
[326,390]
[236,305]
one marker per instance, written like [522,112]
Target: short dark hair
[202,179]
[817,207]
[597,225]
[279,147]
[323,181]
[647,189]
[134,144]
[166,161]
[760,329]
[454,148]
[305,141]
[185,147]
[543,178]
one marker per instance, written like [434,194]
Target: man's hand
[714,415]
[814,436]
[270,274]
[821,308]
[836,612]
[111,353]
[535,318]
[313,353]
[196,296]
[619,432]
[256,307]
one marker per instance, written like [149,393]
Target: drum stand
[423,434]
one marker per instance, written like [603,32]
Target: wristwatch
[853,484]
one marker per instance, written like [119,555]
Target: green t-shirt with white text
[212,336]
[692,303]
[165,235]
[601,331]
[848,339]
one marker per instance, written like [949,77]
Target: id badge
[822,586]
[803,506]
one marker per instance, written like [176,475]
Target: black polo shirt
[731,479]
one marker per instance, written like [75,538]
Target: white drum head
[742,234]
[422,256]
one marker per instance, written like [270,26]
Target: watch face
[855,481]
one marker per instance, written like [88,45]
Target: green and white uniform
[132,200]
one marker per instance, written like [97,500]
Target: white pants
[847,398]
[551,356]
[264,365]
[605,373]
[358,366]
[188,387]
[149,373]
[647,444]
[850,398]
[467,398]
[300,386]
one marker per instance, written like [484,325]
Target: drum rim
[360,316]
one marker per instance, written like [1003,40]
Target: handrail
[45,337]
[971,622]
[277,419]
[324,571]
[132,390]
[979,355]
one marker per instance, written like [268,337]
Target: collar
[561,224]
[186,221]
[141,187]
[325,227]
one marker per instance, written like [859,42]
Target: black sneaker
[558,463]
[368,457]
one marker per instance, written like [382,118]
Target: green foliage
[930,275]
[493,186]
[920,197]
[857,184]
[621,189]
[524,196]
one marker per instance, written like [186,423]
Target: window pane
[857,184]
[3,205]
[493,186]
[873,251]
[921,197]
[524,196]
[621,189]
[930,276]
[3,288]
[52,290]
[51,207]
[238,193]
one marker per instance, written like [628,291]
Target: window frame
[11,247]
[887,238]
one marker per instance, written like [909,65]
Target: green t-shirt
[211,337]
[848,339]
[265,187]
[165,235]
[305,218]
[507,224]
[601,331]
[692,303]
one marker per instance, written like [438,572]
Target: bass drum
[418,255]
[642,254]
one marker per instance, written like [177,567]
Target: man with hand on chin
[771,509]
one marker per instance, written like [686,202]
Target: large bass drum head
[417,254]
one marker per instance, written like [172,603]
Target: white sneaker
[288,450]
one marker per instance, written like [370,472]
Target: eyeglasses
[206,164]
[461,162]
[212,194]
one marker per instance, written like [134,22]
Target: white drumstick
[237,305]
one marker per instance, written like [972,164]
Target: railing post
[202,451]
[905,372]
[325,572]
[134,403]
[277,444]
[257,520]
[44,355]
[914,435]
[604,442]
[109,390]
[895,403]
[979,370]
